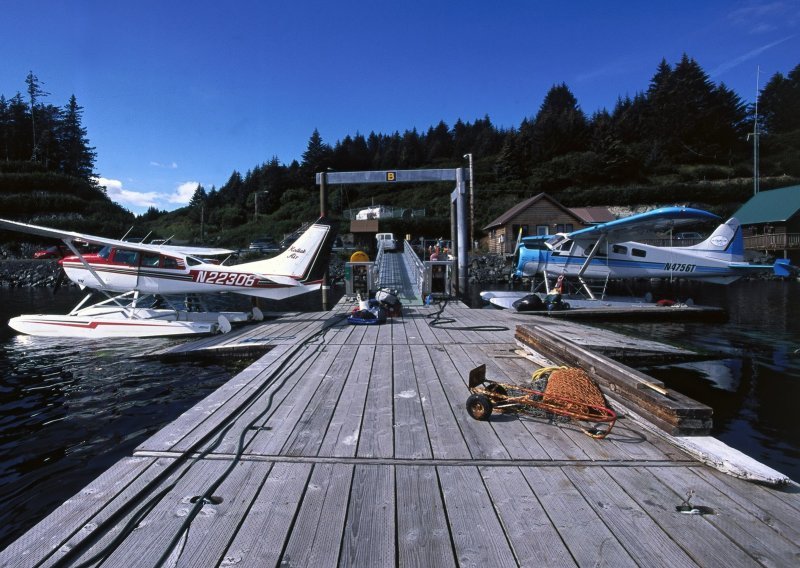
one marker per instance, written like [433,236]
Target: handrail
[413,260]
[772,241]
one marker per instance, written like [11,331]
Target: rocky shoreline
[28,273]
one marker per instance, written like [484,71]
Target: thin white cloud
[128,197]
[183,193]
[752,54]
[170,166]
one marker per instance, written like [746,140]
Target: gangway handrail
[413,261]
[376,267]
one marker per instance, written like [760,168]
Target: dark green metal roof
[771,206]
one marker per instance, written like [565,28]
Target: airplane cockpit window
[192,261]
[104,252]
[149,259]
[129,257]
[170,262]
[563,248]
[619,249]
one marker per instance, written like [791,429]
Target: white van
[386,240]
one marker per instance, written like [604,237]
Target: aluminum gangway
[401,271]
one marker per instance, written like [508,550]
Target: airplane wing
[102,241]
[636,226]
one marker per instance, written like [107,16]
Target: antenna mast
[756,173]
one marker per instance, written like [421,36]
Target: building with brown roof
[540,215]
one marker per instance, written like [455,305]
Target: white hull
[105,322]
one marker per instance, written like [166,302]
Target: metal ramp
[402,272]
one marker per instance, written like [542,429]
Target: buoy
[359,256]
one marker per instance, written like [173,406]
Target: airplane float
[137,278]
[609,251]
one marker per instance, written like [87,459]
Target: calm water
[69,408]
[754,385]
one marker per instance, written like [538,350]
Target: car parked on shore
[264,245]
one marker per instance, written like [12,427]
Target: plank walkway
[350,445]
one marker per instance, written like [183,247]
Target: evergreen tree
[35,92]
[317,156]
[78,156]
[560,126]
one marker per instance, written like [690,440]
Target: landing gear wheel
[479,406]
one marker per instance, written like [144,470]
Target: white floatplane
[138,278]
[609,251]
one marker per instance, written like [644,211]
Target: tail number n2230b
[225,278]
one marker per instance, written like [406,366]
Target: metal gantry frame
[459,228]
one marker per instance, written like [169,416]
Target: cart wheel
[479,406]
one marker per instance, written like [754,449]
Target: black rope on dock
[440,322]
[206,496]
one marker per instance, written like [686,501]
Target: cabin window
[151,260]
[170,262]
[563,248]
[600,251]
[515,230]
[192,261]
[619,249]
[564,228]
[542,230]
[126,257]
[638,252]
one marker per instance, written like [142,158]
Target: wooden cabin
[540,215]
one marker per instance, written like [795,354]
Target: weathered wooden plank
[279,423]
[413,334]
[259,502]
[646,541]
[377,431]
[411,436]
[744,524]
[525,522]
[267,524]
[308,433]
[423,535]
[369,531]
[274,387]
[371,335]
[153,534]
[444,434]
[780,505]
[399,336]
[701,540]
[197,421]
[477,534]
[344,431]
[480,436]
[356,337]
[316,536]
[582,530]
[80,513]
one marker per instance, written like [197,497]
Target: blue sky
[177,93]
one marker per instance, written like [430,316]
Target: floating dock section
[351,446]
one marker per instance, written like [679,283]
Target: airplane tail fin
[304,261]
[726,242]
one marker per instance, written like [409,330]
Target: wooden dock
[351,446]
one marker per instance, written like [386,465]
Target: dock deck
[350,445]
